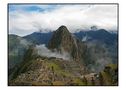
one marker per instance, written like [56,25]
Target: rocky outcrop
[63,41]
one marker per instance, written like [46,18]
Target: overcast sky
[25,19]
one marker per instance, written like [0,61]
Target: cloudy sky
[28,18]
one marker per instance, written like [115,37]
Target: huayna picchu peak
[63,29]
[64,41]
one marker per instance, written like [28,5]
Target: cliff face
[61,38]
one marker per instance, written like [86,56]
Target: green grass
[58,69]
[55,66]
[106,78]
[113,66]
[78,82]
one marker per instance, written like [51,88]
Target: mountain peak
[60,36]
[62,29]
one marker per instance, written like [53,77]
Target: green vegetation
[109,74]
[113,66]
[17,47]
[78,81]
[106,78]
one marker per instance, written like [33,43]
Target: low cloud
[42,50]
[24,42]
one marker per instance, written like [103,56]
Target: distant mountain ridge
[101,35]
[39,37]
